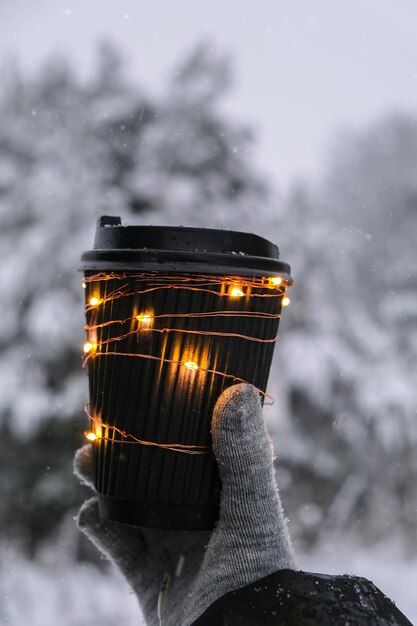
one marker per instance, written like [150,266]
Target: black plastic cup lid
[181,249]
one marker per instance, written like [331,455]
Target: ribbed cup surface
[164,402]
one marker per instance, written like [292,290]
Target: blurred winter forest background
[343,378]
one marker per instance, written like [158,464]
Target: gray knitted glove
[177,575]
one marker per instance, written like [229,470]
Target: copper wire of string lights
[188,364]
[131,439]
[235,291]
[228,287]
[191,332]
[164,278]
[176,282]
[182,315]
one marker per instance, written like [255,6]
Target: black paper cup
[174,316]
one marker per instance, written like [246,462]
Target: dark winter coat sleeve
[299,598]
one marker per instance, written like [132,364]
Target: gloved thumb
[244,453]
[251,538]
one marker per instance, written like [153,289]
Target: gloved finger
[244,452]
[122,544]
[83,465]
[252,526]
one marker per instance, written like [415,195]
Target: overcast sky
[304,68]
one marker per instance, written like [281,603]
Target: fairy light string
[228,288]
[127,438]
[187,364]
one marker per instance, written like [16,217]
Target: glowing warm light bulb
[235,292]
[191,365]
[285,301]
[83,285]
[144,318]
[88,346]
[91,436]
[275,280]
[94,301]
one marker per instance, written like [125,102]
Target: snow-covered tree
[348,350]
